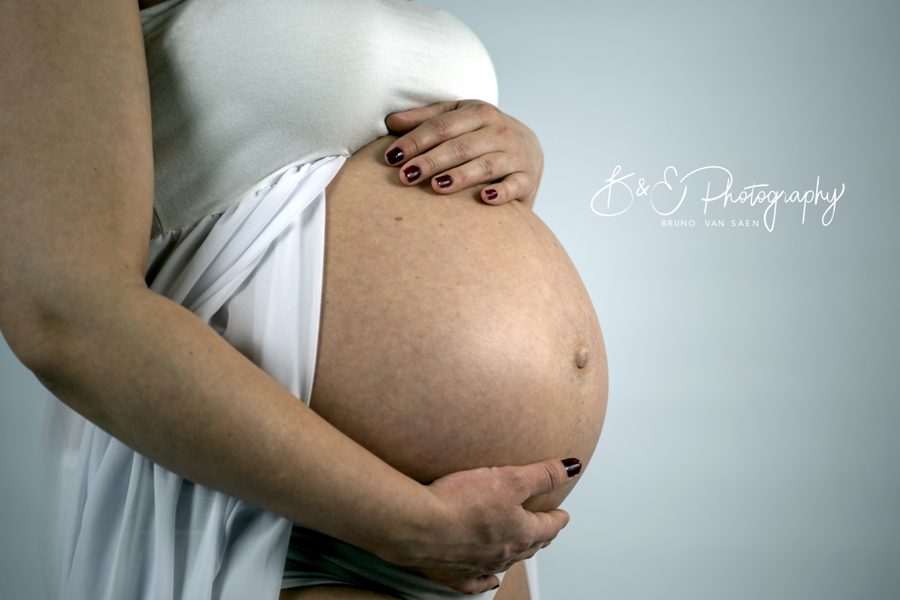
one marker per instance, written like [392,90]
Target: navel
[582,354]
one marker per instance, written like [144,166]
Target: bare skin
[454,335]
[76,192]
[74,91]
[437,308]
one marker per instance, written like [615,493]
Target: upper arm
[76,157]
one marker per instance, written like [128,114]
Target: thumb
[401,122]
[549,475]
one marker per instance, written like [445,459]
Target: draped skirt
[116,526]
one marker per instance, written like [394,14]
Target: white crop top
[242,90]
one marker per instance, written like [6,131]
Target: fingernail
[394,156]
[491,194]
[412,173]
[495,587]
[444,181]
[573,466]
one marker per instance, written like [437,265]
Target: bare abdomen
[454,335]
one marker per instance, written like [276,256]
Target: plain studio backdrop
[751,447]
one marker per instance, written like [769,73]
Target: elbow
[49,327]
[32,335]
[58,331]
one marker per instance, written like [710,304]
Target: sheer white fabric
[532,573]
[116,526]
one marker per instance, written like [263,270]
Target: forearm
[156,377]
[76,192]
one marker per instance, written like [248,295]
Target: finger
[535,548]
[479,585]
[410,119]
[514,186]
[545,476]
[475,157]
[528,553]
[484,168]
[469,116]
[547,525]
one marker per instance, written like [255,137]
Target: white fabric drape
[116,526]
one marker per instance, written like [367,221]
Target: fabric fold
[118,526]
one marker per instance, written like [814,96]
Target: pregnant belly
[454,335]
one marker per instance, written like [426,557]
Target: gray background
[750,448]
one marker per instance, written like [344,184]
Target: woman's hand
[466,143]
[478,528]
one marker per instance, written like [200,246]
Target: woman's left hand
[466,143]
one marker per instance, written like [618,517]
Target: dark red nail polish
[394,156]
[444,181]
[573,466]
[491,194]
[412,173]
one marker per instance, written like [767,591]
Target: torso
[454,335]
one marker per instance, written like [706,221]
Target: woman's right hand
[477,526]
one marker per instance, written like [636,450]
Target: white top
[241,90]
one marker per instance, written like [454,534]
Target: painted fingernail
[394,156]
[573,466]
[495,587]
[412,173]
[491,194]
[444,181]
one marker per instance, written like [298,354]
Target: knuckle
[427,163]
[519,152]
[486,110]
[461,150]
[461,179]
[489,168]
[518,548]
[554,477]
[497,566]
[506,134]
[518,481]
[441,126]
[415,146]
